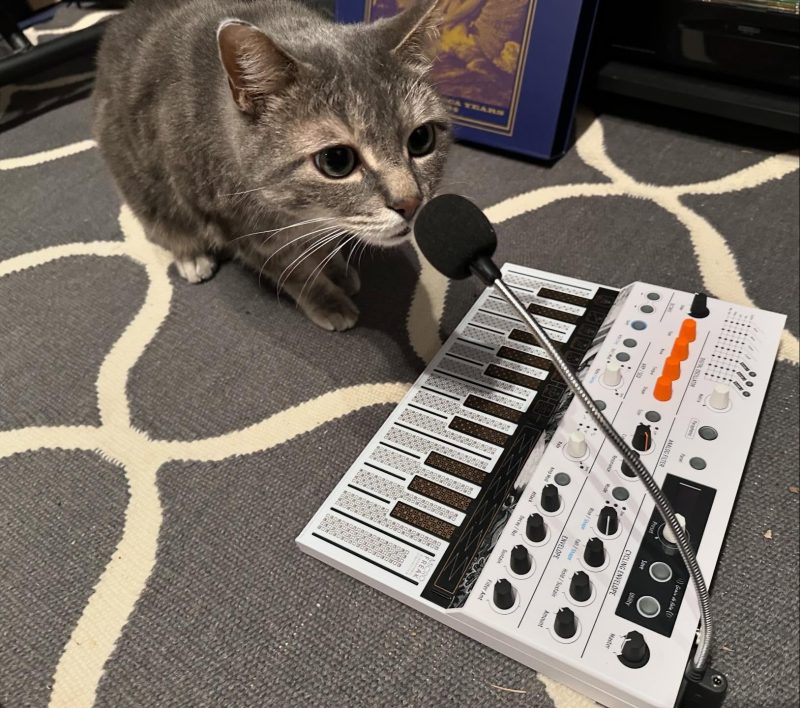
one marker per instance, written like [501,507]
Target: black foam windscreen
[453,233]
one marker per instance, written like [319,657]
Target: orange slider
[680,350]
[672,368]
[663,389]
[688,330]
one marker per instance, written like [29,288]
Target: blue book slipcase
[509,69]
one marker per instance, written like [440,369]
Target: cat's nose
[406,207]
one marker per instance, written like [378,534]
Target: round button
[620,493]
[698,463]
[630,343]
[660,572]
[647,309]
[752,373]
[624,356]
[707,432]
[638,325]
[653,416]
[562,479]
[648,606]
[601,405]
[653,296]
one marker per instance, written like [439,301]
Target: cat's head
[339,122]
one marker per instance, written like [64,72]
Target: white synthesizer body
[489,500]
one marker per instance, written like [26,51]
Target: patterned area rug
[162,444]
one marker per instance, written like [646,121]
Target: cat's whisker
[299,238]
[321,266]
[306,235]
[244,191]
[364,246]
[284,228]
[307,253]
[349,256]
[326,241]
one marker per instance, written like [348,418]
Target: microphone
[458,240]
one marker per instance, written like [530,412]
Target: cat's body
[234,137]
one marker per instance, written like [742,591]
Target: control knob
[667,533]
[635,652]
[580,587]
[576,444]
[550,500]
[627,470]
[608,521]
[503,594]
[612,375]
[535,528]
[699,307]
[520,560]
[565,625]
[594,554]
[720,397]
[642,438]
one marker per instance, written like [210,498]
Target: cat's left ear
[256,66]
[413,35]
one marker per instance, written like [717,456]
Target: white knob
[612,375]
[576,445]
[720,397]
[669,537]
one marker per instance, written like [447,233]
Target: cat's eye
[336,162]
[422,140]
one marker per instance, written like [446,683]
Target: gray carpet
[162,444]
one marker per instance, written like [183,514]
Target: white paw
[196,270]
[334,316]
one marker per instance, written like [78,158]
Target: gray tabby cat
[263,131]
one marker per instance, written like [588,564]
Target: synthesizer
[489,501]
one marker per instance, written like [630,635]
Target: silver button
[648,606]
[660,572]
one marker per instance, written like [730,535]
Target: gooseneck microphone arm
[458,240]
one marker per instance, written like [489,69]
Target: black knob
[635,652]
[535,528]
[594,554]
[520,560]
[642,438]
[580,587]
[699,308]
[608,521]
[627,470]
[550,500]
[565,623]
[503,594]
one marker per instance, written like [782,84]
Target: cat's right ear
[255,65]
[413,35]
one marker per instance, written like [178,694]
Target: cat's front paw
[197,269]
[334,313]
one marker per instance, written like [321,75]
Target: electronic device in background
[734,59]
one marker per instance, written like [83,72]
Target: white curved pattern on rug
[34,33]
[92,641]
[123,580]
